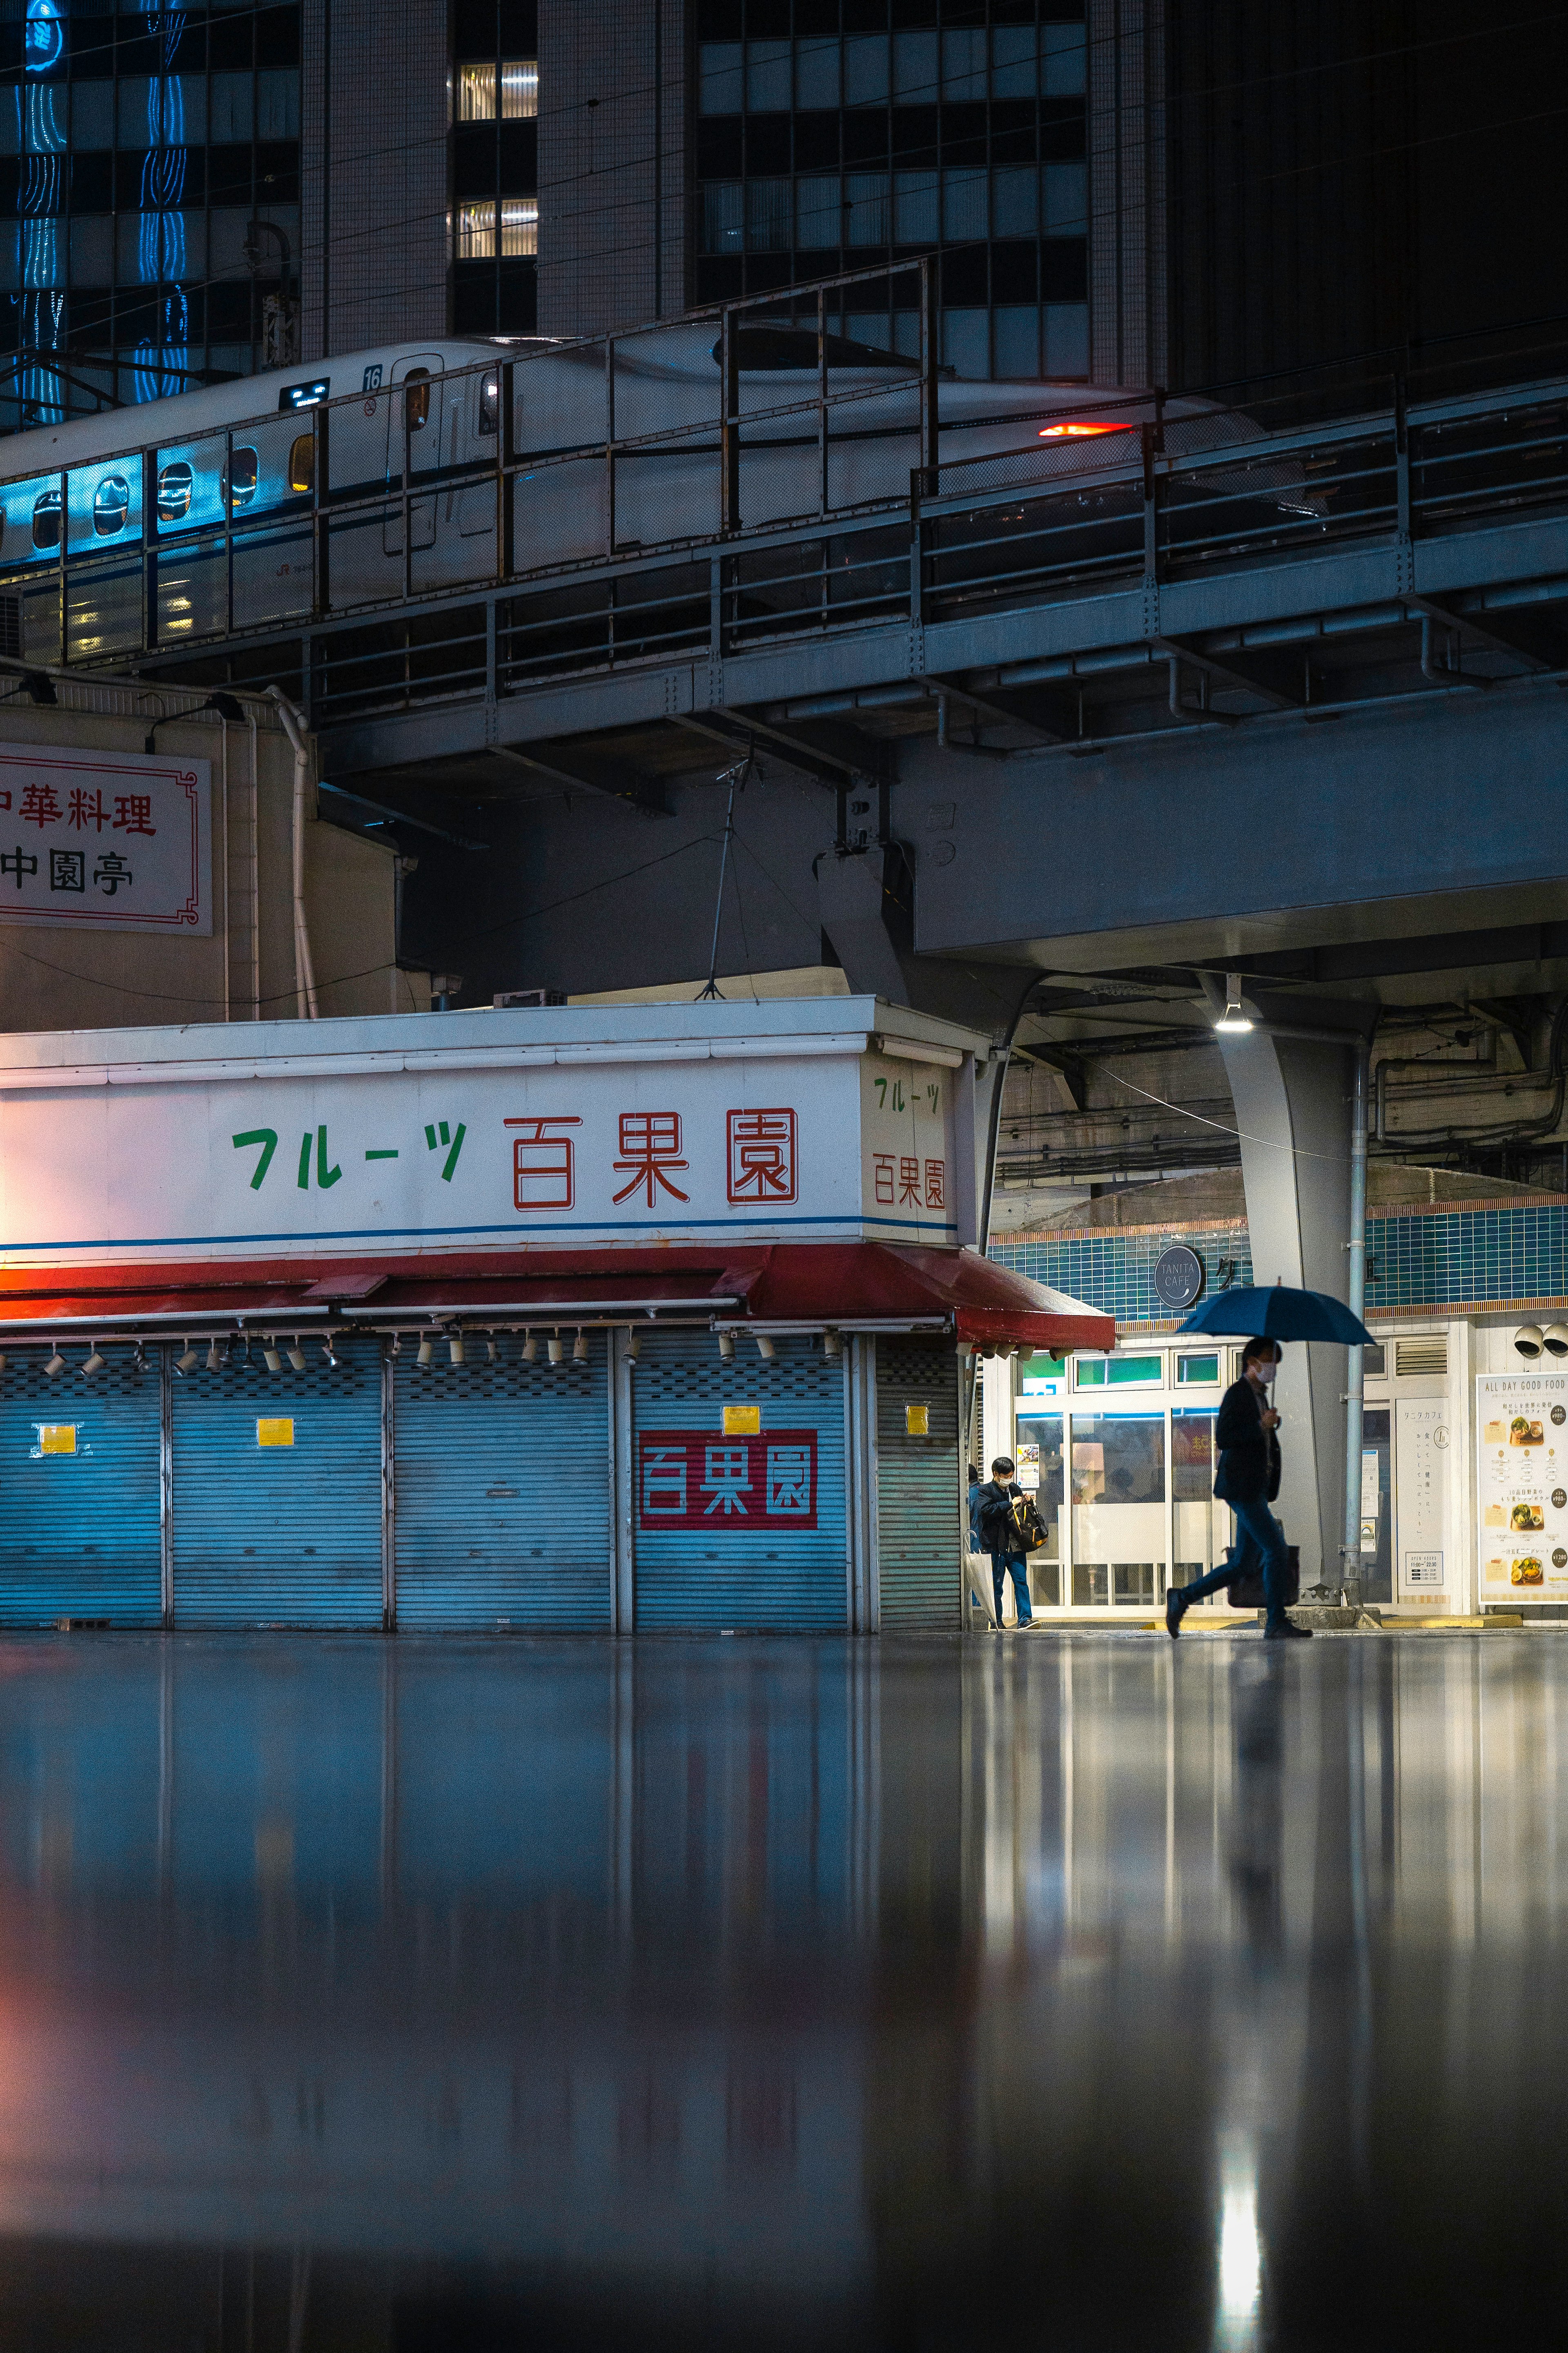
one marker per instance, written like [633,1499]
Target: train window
[302,462]
[490,403]
[239,478]
[416,399]
[110,505]
[47,519]
[176,483]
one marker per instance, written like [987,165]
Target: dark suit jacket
[1248,1454]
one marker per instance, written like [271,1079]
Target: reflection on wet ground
[1089,1992]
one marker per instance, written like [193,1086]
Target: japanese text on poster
[1522,1484]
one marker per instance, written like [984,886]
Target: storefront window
[1202,1524]
[1197,1372]
[1376,1507]
[1119,1508]
[1038,1453]
[1117,1372]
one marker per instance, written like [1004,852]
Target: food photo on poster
[1522,1484]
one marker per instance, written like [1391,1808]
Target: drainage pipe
[1351,1555]
[293,722]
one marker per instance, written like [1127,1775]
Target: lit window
[302,462]
[110,505]
[518,89]
[520,225]
[477,93]
[490,403]
[477,231]
[416,398]
[1202,1369]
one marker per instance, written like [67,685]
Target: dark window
[1063,269]
[914,133]
[767,146]
[47,519]
[228,175]
[176,483]
[229,42]
[228,312]
[518,159]
[518,27]
[137,51]
[474,160]
[475,32]
[1013,276]
[277,37]
[816,142]
[92,183]
[866,135]
[718,148]
[277,172]
[239,478]
[89,322]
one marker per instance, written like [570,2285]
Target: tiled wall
[1458,1259]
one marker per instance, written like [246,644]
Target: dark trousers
[1002,1563]
[1260,1535]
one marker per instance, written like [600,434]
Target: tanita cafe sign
[805,1120]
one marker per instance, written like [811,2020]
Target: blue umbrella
[1279,1313]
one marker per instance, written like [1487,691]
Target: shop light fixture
[426,1348]
[555,1348]
[832,1346]
[454,1346]
[2,1364]
[330,1352]
[271,1356]
[1555,1339]
[531,1349]
[579,1349]
[633,1345]
[296,1353]
[727,1345]
[397,1347]
[1529,1340]
[93,1361]
[139,1355]
[489,1348]
[1234,1021]
[56,1365]
[188,1362]
[214,1357]
[765,1349]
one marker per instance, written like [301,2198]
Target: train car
[411,443]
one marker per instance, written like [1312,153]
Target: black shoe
[1176,1608]
[1286,1631]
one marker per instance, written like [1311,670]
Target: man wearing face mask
[1247,1480]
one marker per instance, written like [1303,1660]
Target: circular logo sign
[1558,1415]
[1560,1558]
[1179,1276]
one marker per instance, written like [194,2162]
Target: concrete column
[1291,1101]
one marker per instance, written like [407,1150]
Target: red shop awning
[870,1285]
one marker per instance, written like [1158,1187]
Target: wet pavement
[1071,1992]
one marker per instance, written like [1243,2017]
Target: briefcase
[1247,1592]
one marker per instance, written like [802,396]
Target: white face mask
[1266,1373]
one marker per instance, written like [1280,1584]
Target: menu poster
[1521,1485]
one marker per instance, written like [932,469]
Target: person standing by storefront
[1008,1531]
[1247,1480]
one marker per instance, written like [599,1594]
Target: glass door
[1119,1555]
[1039,1458]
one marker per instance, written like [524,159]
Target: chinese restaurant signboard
[537,1128]
[105,840]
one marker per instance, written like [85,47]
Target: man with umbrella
[1247,1480]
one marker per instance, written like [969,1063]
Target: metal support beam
[645,793]
[737,733]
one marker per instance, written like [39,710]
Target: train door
[417,396]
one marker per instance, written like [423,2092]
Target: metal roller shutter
[278,1534]
[502,1491]
[918,1488]
[78,1517]
[742,1555]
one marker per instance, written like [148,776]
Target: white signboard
[148,1162]
[1521,1485]
[113,841]
[1421,1492]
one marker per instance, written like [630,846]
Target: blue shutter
[279,1536]
[920,1483]
[503,1489]
[79,1533]
[710,1577]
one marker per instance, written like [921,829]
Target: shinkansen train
[411,448]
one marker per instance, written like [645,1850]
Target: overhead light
[1234,1021]
[297,1354]
[764,1345]
[1078,428]
[426,1348]
[455,1344]
[531,1349]
[1529,1340]
[554,1348]
[190,1360]
[832,1346]
[56,1365]
[215,1357]
[489,1348]
[633,1345]
[139,1357]
[93,1362]
[397,1347]
[330,1352]
[1555,1338]
[726,1345]
[579,1349]
[270,1354]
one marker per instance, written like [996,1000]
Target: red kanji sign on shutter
[689,1478]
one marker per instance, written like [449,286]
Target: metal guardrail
[483,559]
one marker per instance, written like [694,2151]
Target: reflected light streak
[1240,2260]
